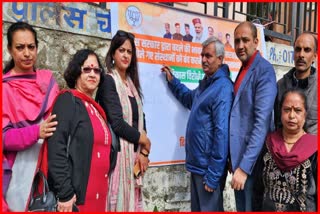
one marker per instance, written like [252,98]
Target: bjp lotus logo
[133,16]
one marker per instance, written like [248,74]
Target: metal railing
[282,20]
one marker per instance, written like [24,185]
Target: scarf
[26,98]
[84,97]
[124,192]
[305,147]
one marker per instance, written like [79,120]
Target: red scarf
[89,100]
[305,147]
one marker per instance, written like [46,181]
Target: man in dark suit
[187,37]
[167,35]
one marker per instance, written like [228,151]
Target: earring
[112,63]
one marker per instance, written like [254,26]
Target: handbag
[115,148]
[45,201]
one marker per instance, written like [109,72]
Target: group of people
[187,37]
[199,37]
[66,134]
[230,128]
[177,35]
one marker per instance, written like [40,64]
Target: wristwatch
[146,155]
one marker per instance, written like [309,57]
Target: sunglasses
[87,70]
[124,33]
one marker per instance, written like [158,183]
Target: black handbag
[42,202]
[115,148]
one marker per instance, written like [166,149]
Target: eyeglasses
[87,70]
[124,33]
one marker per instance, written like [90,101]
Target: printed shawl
[306,146]
[125,191]
[26,100]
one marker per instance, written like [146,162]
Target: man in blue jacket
[255,90]
[208,126]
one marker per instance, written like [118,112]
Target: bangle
[146,155]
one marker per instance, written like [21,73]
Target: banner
[173,37]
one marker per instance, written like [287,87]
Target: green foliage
[155,209]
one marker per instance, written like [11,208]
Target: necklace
[289,143]
[125,82]
[292,142]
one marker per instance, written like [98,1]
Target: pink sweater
[18,139]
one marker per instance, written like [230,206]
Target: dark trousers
[201,200]
[244,197]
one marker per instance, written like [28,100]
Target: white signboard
[278,54]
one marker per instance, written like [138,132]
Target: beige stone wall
[168,188]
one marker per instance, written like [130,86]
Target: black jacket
[69,171]
[270,192]
[108,97]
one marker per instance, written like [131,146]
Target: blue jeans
[201,200]
[244,197]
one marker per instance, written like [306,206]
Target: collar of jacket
[223,71]
[301,83]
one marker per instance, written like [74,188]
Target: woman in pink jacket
[27,96]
